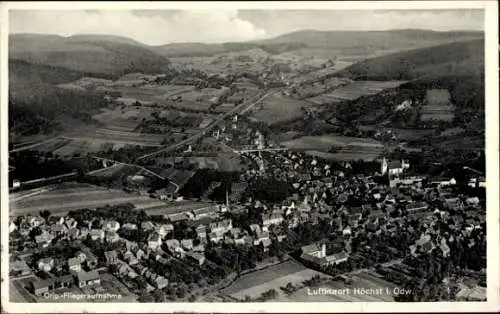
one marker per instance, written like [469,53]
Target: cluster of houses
[81,268]
[353,204]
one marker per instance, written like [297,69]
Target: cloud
[279,22]
[157,27]
[154,29]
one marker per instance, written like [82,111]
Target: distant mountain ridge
[104,55]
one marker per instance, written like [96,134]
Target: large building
[316,254]
[394,168]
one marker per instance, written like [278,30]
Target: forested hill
[456,59]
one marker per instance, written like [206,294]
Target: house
[445,249]
[111,257]
[235,233]
[173,245]
[177,217]
[88,279]
[254,228]
[112,226]
[472,201]
[75,264]
[353,220]
[272,219]
[74,233]
[123,270]
[222,226]
[266,243]
[139,253]
[20,268]
[112,237]
[471,294]
[164,229]
[147,226]
[204,212]
[160,282]
[477,182]
[394,168]
[196,257]
[12,227]
[97,234]
[71,223]
[328,182]
[36,221]
[261,236]
[201,232]
[371,227]
[44,239]
[46,264]
[40,287]
[83,233]
[347,231]
[130,258]
[216,237]
[154,241]
[453,203]
[187,244]
[129,226]
[90,259]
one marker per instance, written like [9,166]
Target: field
[125,116]
[355,90]
[276,108]
[273,277]
[383,291]
[438,106]
[49,145]
[350,153]
[325,142]
[177,207]
[223,162]
[76,196]
[18,293]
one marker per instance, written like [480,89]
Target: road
[260,150]
[209,127]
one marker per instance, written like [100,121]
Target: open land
[273,277]
[354,90]
[61,201]
[325,142]
[278,108]
[364,280]
[438,106]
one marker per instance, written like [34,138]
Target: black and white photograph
[254,155]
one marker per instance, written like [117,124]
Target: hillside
[37,106]
[384,40]
[359,45]
[107,56]
[209,50]
[459,58]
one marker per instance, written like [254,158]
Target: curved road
[209,127]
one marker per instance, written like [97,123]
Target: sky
[157,27]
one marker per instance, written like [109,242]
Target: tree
[45,214]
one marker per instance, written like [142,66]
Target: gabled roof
[86,276]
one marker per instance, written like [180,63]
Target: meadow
[62,200]
[325,142]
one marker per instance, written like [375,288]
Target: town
[338,166]
[336,219]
